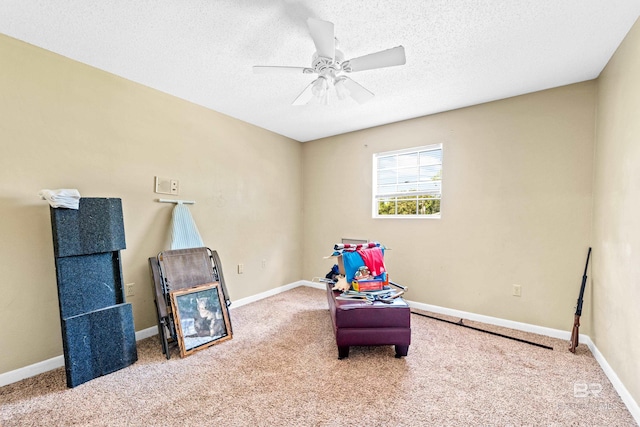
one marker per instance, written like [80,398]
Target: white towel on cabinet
[64,198]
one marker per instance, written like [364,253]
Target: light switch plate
[163,185]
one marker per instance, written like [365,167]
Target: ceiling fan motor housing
[327,66]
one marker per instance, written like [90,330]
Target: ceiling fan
[328,62]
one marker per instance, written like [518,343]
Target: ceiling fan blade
[305,96]
[357,91]
[322,33]
[384,58]
[268,69]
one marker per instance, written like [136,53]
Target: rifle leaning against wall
[576,320]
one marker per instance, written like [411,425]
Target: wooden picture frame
[201,317]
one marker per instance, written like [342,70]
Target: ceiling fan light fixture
[341,89]
[320,87]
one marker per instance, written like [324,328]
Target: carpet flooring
[281,369]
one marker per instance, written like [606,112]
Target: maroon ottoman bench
[358,323]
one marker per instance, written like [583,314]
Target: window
[408,183]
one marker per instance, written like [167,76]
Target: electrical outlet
[175,187]
[264,263]
[517,290]
[128,289]
[240,268]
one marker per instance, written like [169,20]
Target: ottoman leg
[343,352]
[401,350]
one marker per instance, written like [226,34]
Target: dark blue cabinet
[98,334]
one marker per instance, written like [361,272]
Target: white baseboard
[58,361]
[266,294]
[632,405]
[31,370]
[525,327]
[626,397]
[628,400]
[519,326]
[55,362]
[314,284]
[146,333]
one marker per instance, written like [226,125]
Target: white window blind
[408,183]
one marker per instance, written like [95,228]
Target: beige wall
[67,125]
[616,225]
[516,206]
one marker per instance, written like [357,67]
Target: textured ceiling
[459,52]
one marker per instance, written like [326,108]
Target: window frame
[376,196]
